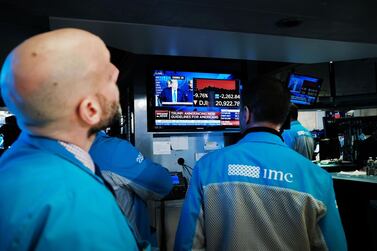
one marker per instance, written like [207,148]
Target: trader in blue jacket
[259,194]
[62,88]
[135,179]
[298,137]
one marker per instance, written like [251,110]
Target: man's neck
[78,138]
[263,127]
[270,125]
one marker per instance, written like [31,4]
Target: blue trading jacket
[50,201]
[299,139]
[259,195]
[134,178]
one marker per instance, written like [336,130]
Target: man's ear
[246,114]
[90,111]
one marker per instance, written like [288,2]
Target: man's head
[60,82]
[191,84]
[293,112]
[264,102]
[174,84]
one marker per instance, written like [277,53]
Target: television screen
[190,101]
[304,89]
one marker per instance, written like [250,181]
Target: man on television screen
[172,94]
[189,92]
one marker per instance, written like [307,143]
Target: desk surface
[333,164]
[359,178]
[337,167]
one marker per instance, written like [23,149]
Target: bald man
[62,88]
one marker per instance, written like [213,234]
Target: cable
[186,168]
[181,162]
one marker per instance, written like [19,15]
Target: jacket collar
[295,122]
[262,134]
[53,146]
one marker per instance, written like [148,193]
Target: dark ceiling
[341,20]
[352,22]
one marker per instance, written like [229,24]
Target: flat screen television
[183,101]
[304,89]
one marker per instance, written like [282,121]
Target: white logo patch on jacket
[139,158]
[255,172]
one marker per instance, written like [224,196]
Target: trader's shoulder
[296,157]
[37,165]
[311,173]
[27,157]
[220,154]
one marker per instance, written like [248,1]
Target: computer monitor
[193,101]
[304,89]
[329,148]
